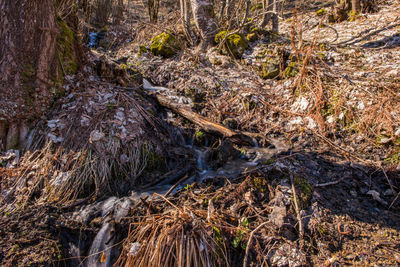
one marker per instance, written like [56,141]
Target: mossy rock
[235,44]
[164,45]
[321,12]
[254,34]
[291,70]
[270,69]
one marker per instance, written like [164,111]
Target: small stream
[113,209]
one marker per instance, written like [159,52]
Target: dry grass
[177,237]
[81,166]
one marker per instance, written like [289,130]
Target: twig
[332,183]
[249,242]
[296,205]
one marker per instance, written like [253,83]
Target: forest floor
[319,186]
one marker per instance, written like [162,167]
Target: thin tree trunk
[203,13]
[270,14]
[185,18]
[355,5]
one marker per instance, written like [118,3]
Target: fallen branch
[206,125]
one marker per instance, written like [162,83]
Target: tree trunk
[118,12]
[203,13]
[185,18]
[270,14]
[32,52]
[355,5]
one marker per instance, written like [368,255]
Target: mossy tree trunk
[29,65]
[204,18]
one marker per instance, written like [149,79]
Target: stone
[235,44]
[164,45]
[270,69]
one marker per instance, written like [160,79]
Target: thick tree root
[13,135]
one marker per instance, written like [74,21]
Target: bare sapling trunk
[118,12]
[153,6]
[203,14]
[185,18]
[355,5]
[270,14]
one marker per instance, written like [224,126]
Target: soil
[320,185]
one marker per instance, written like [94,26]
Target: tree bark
[28,32]
[30,71]
[270,14]
[203,13]
[355,5]
[185,18]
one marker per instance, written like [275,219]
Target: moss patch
[65,48]
[235,44]
[304,191]
[164,45]
[321,12]
[270,69]
[291,70]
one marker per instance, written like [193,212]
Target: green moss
[321,12]
[199,135]
[270,69]
[260,184]
[256,7]
[164,45]
[291,70]
[142,50]
[394,158]
[305,191]
[254,34]
[66,41]
[352,16]
[235,44]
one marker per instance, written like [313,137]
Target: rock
[270,69]
[164,45]
[291,70]
[96,136]
[235,44]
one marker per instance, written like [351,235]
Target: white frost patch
[311,123]
[361,105]
[301,104]
[330,119]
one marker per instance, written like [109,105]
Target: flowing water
[113,208]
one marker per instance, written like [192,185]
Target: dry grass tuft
[177,237]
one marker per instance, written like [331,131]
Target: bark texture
[28,35]
[37,49]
